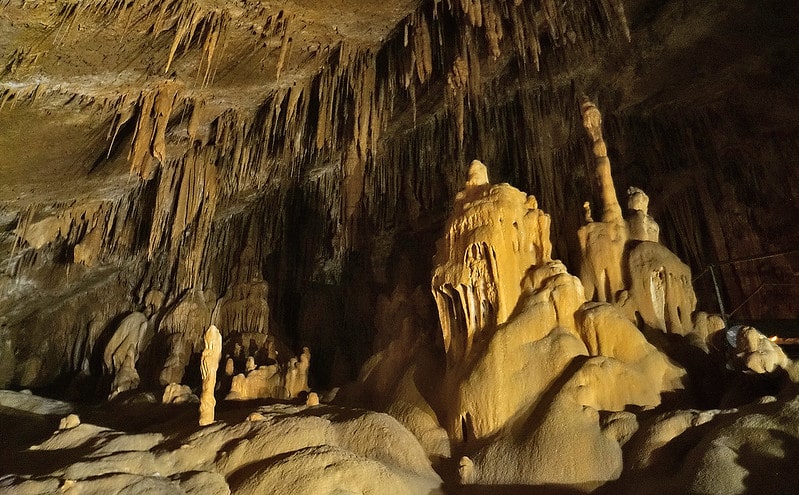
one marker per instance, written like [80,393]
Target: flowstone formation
[498,232]
[622,260]
[542,384]
[530,364]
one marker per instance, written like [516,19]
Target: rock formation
[272,380]
[281,170]
[534,376]
[122,352]
[622,260]
[208,366]
[496,233]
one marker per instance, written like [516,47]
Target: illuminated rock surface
[300,175]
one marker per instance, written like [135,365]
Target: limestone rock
[759,354]
[410,408]
[175,393]
[287,450]
[660,288]
[209,363]
[70,421]
[27,402]
[606,332]
[494,235]
[122,352]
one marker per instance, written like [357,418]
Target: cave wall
[348,160]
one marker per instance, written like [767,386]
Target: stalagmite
[297,374]
[208,367]
[602,243]
[622,261]
[642,227]
[284,158]
[122,352]
[495,234]
[68,422]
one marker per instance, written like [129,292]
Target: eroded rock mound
[290,449]
[531,365]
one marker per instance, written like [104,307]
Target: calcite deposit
[209,364]
[407,246]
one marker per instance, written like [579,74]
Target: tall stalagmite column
[602,242]
[592,121]
[208,366]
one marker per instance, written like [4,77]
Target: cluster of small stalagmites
[254,354]
[622,260]
[263,376]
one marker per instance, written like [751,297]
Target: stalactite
[320,145]
[154,109]
[285,45]
[494,31]
[184,31]
[422,48]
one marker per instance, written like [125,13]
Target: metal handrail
[758,290]
[712,269]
